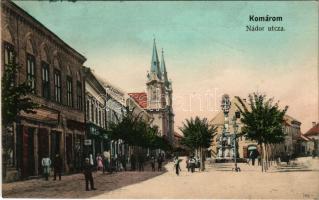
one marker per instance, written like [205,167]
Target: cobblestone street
[297,181]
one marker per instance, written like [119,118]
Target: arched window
[30,65]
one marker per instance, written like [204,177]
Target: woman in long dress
[99,162]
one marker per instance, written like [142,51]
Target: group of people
[192,163]
[252,157]
[159,160]
[47,164]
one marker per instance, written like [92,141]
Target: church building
[158,96]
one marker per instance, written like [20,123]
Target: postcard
[159,99]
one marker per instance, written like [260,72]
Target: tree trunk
[267,156]
[265,167]
[261,157]
[202,159]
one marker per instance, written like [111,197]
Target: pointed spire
[155,62]
[163,69]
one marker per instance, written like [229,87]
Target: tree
[14,100]
[262,121]
[198,135]
[134,131]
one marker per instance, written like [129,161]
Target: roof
[140,98]
[313,131]
[303,137]
[177,135]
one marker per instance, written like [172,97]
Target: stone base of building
[11,175]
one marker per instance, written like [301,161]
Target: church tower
[155,84]
[159,96]
[169,100]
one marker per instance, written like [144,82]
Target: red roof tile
[140,98]
[313,131]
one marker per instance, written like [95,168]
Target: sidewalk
[73,186]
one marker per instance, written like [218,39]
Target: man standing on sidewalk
[57,166]
[87,170]
[46,163]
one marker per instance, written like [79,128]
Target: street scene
[298,178]
[159,100]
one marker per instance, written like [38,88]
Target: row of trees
[135,131]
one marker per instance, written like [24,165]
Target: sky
[207,50]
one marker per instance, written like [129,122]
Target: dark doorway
[43,147]
[69,156]
[55,143]
[28,152]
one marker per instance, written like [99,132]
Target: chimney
[313,124]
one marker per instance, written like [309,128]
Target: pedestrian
[153,163]
[99,162]
[133,162]
[46,163]
[123,161]
[159,162]
[87,171]
[91,160]
[253,157]
[187,164]
[57,165]
[106,161]
[314,153]
[259,159]
[177,167]
[140,160]
[192,164]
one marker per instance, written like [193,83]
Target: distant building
[95,107]
[53,70]
[305,146]
[291,128]
[115,111]
[313,134]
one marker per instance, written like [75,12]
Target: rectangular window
[69,91]
[92,112]
[79,95]
[31,72]
[45,80]
[100,118]
[87,110]
[57,86]
[96,116]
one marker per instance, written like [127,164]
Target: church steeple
[163,69]
[155,62]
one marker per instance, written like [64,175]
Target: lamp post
[237,116]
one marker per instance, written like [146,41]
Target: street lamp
[237,116]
